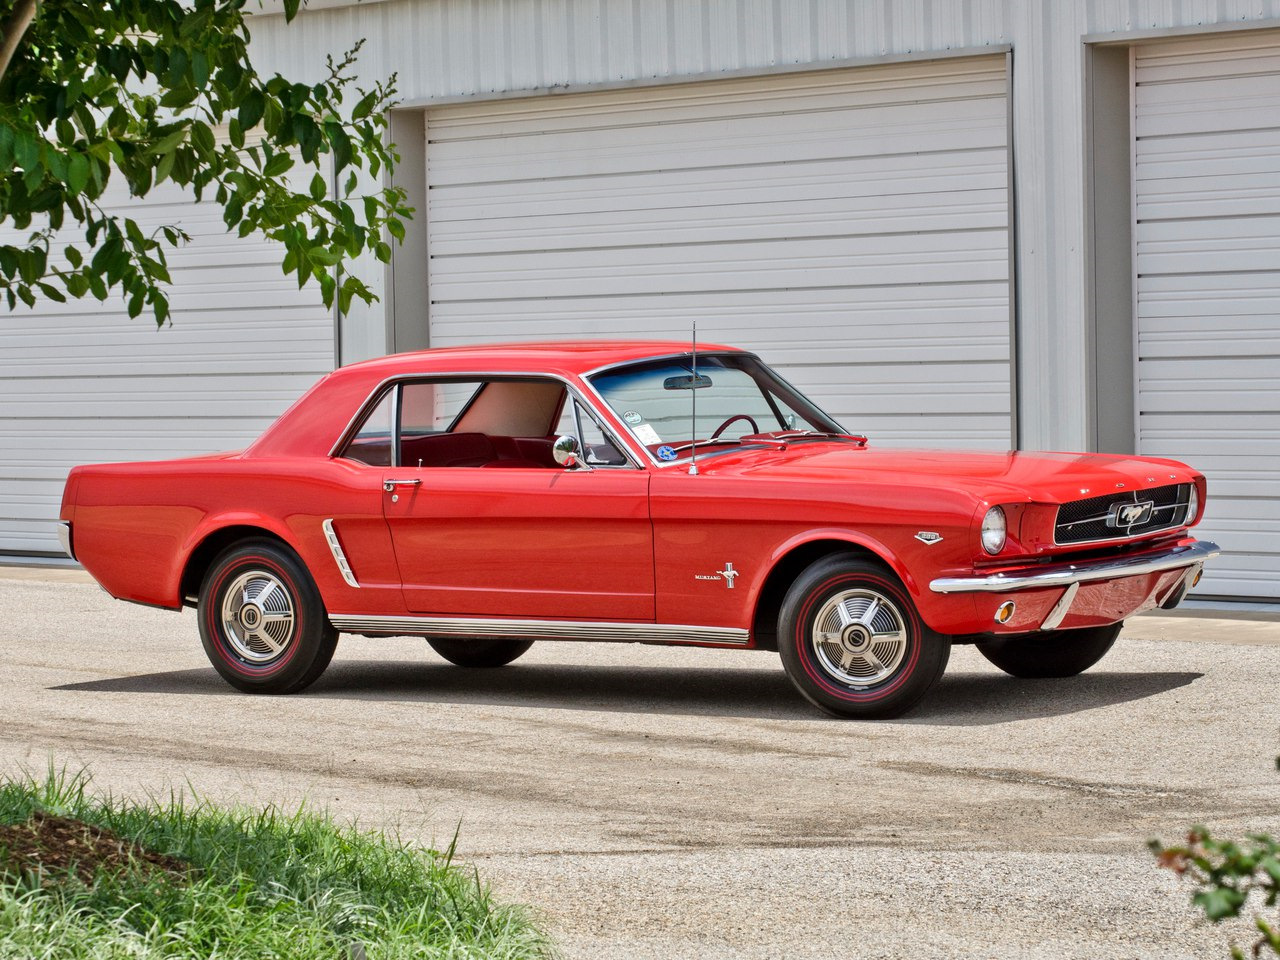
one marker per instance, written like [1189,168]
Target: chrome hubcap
[859,637]
[258,616]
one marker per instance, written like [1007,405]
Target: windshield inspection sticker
[666,453]
[647,434]
[633,418]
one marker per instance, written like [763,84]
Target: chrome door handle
[390,485]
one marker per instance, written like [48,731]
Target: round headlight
[993,530]
[1193,505]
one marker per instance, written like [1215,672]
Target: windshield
[736,396]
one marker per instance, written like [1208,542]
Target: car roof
[316,421]
[565,357]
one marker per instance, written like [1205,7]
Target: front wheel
[262,622]
[1056,653]
[481,652]
[852,642]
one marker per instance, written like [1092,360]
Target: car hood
[1045,477]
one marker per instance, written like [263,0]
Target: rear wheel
[262,622]
[852,642]
[1056,653]
[483,652]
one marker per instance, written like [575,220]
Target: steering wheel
[737,416]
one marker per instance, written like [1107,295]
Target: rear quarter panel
[137,524]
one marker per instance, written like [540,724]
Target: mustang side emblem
[728,575]
[929,537]
[1129,514]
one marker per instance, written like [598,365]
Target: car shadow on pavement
[961,699]
[984,699]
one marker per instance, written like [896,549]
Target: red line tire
[1054,653]
[852,642]
[262,622]
[481,652]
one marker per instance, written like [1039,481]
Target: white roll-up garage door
[850,225]
[1207,189]
[82,383]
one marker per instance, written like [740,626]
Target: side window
[373,443]
[598,449]
[503,422]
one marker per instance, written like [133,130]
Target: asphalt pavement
[653,802]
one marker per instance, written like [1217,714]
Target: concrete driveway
[663,803]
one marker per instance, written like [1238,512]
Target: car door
[517,536]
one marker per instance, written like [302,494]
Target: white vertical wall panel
[1207,232]
[82,383]
[850,225]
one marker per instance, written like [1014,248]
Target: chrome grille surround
[1095,520]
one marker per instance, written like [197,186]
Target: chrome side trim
[540,629]
[1061,608]
[64,538]
[1061,575]
[339,557]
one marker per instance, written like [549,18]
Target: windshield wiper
[784,436]
[706,443]
[779,437]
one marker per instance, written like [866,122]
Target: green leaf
[168,142]
[365,106]
[325,256]
[277,165]
[272,117]
[318,187]
[165,167]
[76,285]
[160,305]
[77,172]
[178,64]
[202,138]
[135,303]
[396,229]
[200,69]
[341,144]
[382,251]
[251,109]
[1219,902]
[52,292]
[74,257]
[233,211]
[236,132]
[26,150]
[6,145]
[134,233]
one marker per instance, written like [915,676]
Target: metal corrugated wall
[482,49]
[1207,232]
[82,382]
[851,226]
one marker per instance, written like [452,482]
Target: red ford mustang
[487,497]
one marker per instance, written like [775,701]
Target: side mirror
[567,453]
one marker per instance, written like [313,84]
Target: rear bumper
[1171,558]
[64,538]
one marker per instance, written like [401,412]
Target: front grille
[1100,518]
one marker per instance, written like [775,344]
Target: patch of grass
[233,884]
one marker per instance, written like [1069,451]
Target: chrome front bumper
[1071,573]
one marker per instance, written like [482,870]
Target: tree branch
[24,11]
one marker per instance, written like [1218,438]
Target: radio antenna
[693,399]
